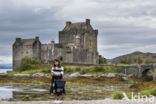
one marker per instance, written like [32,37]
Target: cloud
[124,25]
[5,59]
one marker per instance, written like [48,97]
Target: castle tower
[83,39]
[26,47]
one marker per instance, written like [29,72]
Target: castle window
[90,42]
[61,58]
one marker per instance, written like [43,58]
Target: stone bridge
[138,71]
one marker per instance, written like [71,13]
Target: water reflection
[73,91]
[6,93]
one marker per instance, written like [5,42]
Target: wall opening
[148,74]
[61,58]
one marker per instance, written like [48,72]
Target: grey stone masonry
[77,45]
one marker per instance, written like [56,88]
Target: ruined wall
[90,41]
[47,53]
[23,48]
[19,52]
[37,50]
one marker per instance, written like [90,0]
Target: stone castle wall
[77,45]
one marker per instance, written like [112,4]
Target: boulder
[39,75]
[87,76]
[109,75]
[125,78]
[73,75]
[133,86]
[113,75]
[19,75]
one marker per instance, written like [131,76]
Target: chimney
[52,42]
[96,32]
[88,22]
[37,38]
[18,39]
[68,23]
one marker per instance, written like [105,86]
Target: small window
[90,42]
[61,58]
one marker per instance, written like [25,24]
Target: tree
[102,60]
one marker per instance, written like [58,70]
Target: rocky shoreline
[109,75]
[106,101]
[73,75]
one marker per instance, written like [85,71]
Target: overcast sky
[124,26]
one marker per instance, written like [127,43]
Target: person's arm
[52,72]
[62,72]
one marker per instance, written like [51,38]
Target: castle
[77,45]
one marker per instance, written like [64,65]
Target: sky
[124,26]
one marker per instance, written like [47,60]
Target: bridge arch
[139,71]
[147,74]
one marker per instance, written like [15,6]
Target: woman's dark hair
[56,60]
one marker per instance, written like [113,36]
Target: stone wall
[22,49]
[47,53]
[84,43]
[19,52]
[77,45]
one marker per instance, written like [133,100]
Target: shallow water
[73,91]
[5,70]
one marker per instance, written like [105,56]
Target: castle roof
[78,26]
[27,41]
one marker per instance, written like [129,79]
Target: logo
[138,98]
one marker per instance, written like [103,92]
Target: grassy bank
[46,69]
[139,88]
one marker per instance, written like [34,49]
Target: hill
[145,56]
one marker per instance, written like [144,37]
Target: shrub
[153,91]
[26,98]
[117,95]
[146,92]
[28,63]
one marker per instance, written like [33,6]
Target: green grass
[94,69]
[151,91]
[117,95]
[125,64]
[46,69]
[150,72]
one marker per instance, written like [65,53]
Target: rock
[130,75]
[87,76]
[113,75]
[109,75]
[121,75]
[39,75]
[133,86]
[66,76]
[19,75]
[76,74]
[125,78]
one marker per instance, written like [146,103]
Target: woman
[57,72]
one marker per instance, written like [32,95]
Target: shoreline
[106,101]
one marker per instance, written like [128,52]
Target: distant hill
[147,55]
[5,66]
